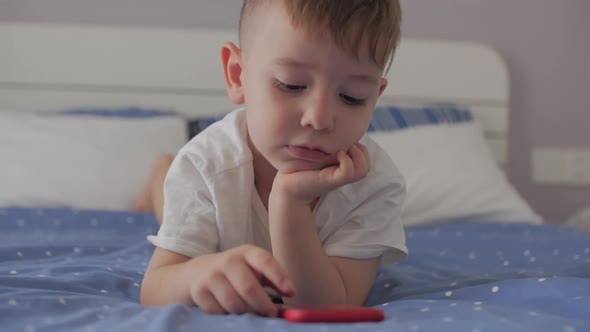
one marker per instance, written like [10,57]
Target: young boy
[287,192]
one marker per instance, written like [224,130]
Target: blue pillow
[194,125]
[385,117]
[127,112]
[391,117]
[197,125]
[121,113]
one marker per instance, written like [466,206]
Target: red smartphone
[329,313]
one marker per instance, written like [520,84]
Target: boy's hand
[307,185]
[232,282]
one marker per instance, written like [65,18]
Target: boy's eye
[351,100]
[288,87]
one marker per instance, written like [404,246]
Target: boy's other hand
[305,186]
[232,282]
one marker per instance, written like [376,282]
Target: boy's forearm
[168,284]
[296,245]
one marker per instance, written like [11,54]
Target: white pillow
[450,174]
[81,161]
[580,220]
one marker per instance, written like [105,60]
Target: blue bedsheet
[68,270]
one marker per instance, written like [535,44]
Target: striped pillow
[385,117]
[197,125]
[392,117]
[125,112]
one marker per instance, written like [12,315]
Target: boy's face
[305,97]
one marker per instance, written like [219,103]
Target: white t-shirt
[211,202]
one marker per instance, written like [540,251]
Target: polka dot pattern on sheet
[89,265]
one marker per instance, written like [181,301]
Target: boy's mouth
[307,152]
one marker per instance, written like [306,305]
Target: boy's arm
[358,276]
[156,288]
[294,237]
[318,278]
[228,282]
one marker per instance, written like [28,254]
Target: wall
[547,48]
[544,42]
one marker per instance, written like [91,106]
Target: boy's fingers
[364,148]
[346,167]
[227,297]
[264,263]
[360,157]
[207,302]
[365,152]
[250,290]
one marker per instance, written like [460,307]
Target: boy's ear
[382,85]
[231,59]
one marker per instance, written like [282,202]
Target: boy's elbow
[157,290]
[149,293]
[146,296]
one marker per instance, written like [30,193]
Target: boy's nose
[318,115]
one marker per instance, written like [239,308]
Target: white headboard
[49,67]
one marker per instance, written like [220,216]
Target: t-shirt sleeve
[374,227]
[189,226]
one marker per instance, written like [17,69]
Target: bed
[83,110]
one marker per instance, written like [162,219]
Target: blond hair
[349,22]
